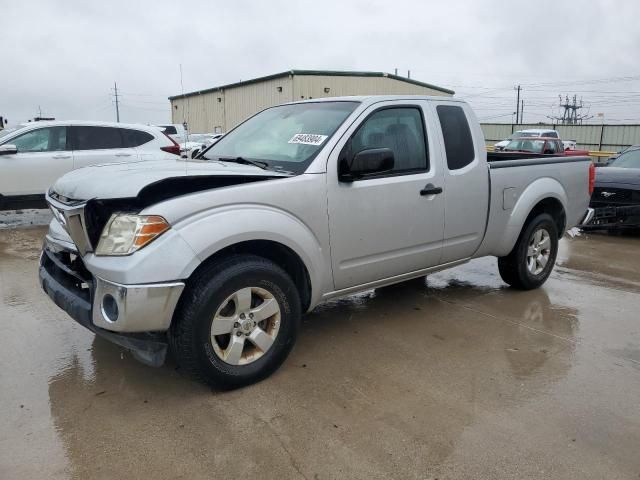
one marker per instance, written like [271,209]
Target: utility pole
[517,103]
[522,111]
[115,93]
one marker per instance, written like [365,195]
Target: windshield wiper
[244,161]
[255,163]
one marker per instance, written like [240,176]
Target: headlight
[124,233]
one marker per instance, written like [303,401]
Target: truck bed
[529,159]
[518,183]
[503,156]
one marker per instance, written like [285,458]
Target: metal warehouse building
[219,109]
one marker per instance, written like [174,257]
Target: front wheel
[530,262]
[237,321]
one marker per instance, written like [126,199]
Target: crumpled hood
[608,176]
[125,180]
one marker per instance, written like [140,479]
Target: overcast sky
[64,56]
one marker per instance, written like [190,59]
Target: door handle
[430,189]
[123,154]
[62,156]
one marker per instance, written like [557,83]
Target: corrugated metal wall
[246,100]
[590,137]
[313,86]
[226,108]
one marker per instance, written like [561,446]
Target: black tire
[513,268]
[190,333]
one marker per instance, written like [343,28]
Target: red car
[543,146]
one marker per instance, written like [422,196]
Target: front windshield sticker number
[308,139]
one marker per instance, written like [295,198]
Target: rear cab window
[458,142]
[552,146]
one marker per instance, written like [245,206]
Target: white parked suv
[34,155]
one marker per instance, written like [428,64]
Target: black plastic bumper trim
[612,214]
[148,348]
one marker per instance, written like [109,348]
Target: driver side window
[49,139]
[399,129]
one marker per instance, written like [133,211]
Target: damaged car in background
[615,202]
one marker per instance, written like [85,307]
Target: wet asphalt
[454,377]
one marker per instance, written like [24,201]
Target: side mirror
[366,162]
[8,149]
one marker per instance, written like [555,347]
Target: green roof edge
[334,73]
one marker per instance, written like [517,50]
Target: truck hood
[608,176]
[126,180]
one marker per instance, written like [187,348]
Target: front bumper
[612,217]
[135,317]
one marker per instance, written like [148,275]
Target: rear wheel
[530,262]
[237,322]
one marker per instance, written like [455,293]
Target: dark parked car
[616,197]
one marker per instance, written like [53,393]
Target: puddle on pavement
[388,382]
[22,218]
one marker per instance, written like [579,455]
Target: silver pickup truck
[217,258]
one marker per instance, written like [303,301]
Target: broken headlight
[126,233]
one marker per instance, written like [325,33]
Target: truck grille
[70,215]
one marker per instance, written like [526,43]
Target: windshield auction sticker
[308,139]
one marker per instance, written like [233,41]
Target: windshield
[287,136]
[533,146]
[630,159]
[10,130]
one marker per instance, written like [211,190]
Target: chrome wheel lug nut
[242,316]
[238,334]
[236,325]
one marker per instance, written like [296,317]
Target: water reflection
[421,362]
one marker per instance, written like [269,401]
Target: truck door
[466,180]
[390,223]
